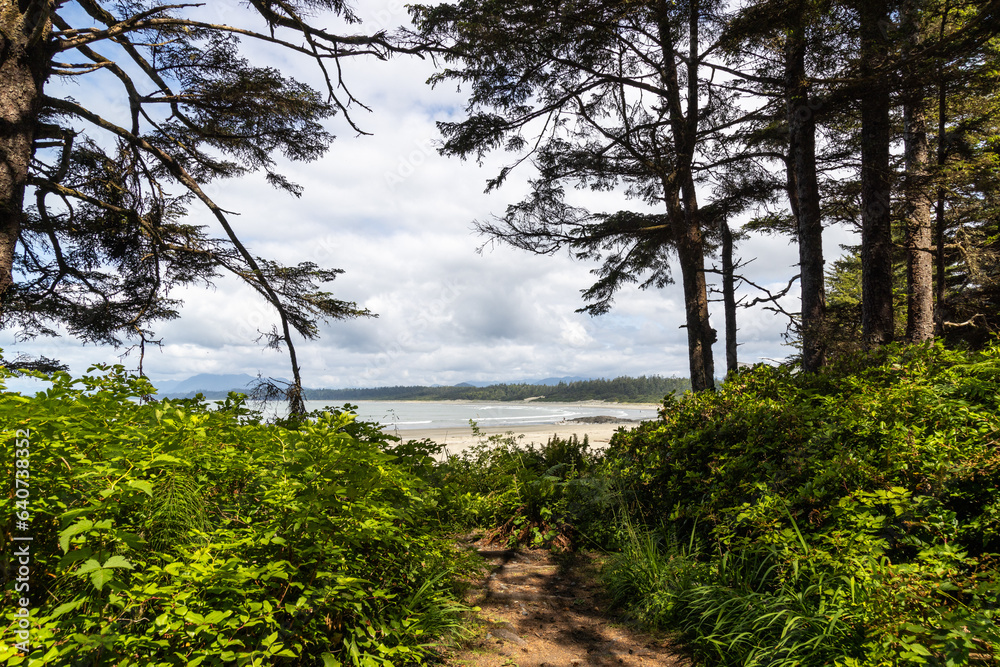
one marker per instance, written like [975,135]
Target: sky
[397,218]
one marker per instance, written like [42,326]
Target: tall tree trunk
[919,269]
[939,223]
[729,297]
[701,335]
[686,222]
[23,28]
[805,199]
[876,223]
[942,155]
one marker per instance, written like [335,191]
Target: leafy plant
[170,533]
[539,495]
[845,517]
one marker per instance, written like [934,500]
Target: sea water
[408,415]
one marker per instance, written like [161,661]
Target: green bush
[170,533]
[551,495]
[846,517]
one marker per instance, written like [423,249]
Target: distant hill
[644,389]
[204,383]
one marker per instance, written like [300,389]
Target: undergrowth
[170,533]
[551,495]
[848,517]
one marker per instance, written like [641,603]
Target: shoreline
[465,401]
[458,439]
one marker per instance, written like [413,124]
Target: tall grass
[785,605]
[734,607]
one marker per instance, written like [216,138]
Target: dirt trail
[537,612]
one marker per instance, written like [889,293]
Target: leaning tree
[93,204]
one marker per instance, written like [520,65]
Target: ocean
[409,415]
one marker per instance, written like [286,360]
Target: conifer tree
[604,95]
[917,194]
[103,237]
[876,176]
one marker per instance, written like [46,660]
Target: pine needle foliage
[176,511]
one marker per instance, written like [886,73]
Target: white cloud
[396,216]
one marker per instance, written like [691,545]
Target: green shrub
[550,495]
[170,533]
[846,517]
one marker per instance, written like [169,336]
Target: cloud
[396,217]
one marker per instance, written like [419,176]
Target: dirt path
[537,612]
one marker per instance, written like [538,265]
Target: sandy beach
[458,439]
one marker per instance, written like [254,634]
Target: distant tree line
[782,117]
[642,389]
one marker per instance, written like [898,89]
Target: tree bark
[23,29]
[919,254]
[686,221]
[876,182]
[701,335]
[729,297]
[919,265]
[805,199]
[939,225]
[916,151]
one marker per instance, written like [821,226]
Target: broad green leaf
[67,607]
[77,528]
[89,566]
[101,577]
[73,557]
[173,568]
[117,561]
[216,616]
[142,485]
